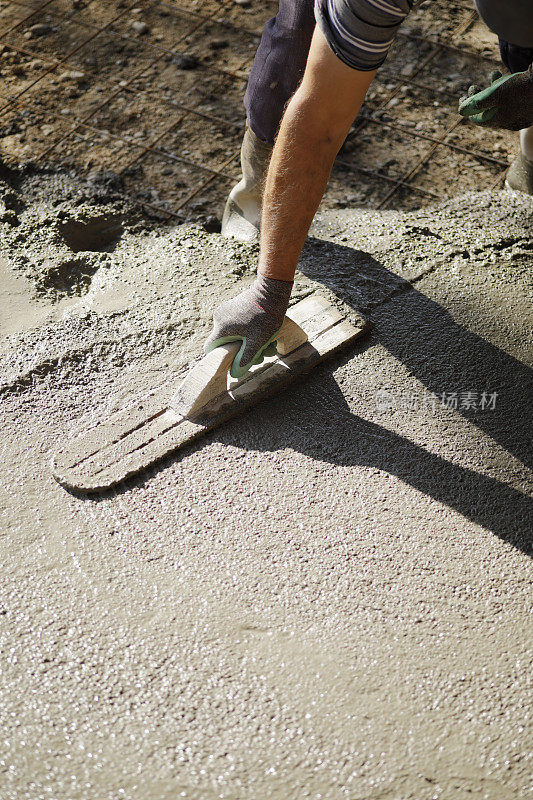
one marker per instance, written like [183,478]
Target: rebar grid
[198,22]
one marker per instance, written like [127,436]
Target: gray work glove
[254,317]
[506,103]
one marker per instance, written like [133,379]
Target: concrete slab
[328,598]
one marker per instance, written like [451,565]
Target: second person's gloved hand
[254,317]
[506,103]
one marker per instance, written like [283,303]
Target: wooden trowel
[102,455]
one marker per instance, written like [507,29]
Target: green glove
[506,103]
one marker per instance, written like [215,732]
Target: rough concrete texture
[327,598]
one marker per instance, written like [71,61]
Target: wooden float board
[135,437]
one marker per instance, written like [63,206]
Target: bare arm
[312,131]
[313,128]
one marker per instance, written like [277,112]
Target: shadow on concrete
[326,430]
[442,355]
[419,333]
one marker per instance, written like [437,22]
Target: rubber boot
[520,175]
[242,212]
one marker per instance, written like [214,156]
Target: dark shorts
[515,58]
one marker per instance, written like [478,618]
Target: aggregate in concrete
[327,598]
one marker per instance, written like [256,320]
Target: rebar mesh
[162,107]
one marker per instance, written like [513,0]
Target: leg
[526,143]
[520,174]
[276,72]
[278,66]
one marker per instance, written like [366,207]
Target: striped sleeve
[360,32]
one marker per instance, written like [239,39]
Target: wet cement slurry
[326,598]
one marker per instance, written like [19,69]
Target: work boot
[242,212]
[520,175]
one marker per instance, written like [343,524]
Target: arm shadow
[443,356]
[330,432]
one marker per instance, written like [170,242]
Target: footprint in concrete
[94,234]
[91,238]
[69,277]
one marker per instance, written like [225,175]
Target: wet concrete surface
[326,598]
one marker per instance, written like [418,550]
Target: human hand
[506,103]
[253,317]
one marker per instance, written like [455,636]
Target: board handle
[209,378]
[205,380]
[290,337]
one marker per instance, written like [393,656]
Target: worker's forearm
[299,170]
[312,131]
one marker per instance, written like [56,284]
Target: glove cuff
[271,296]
